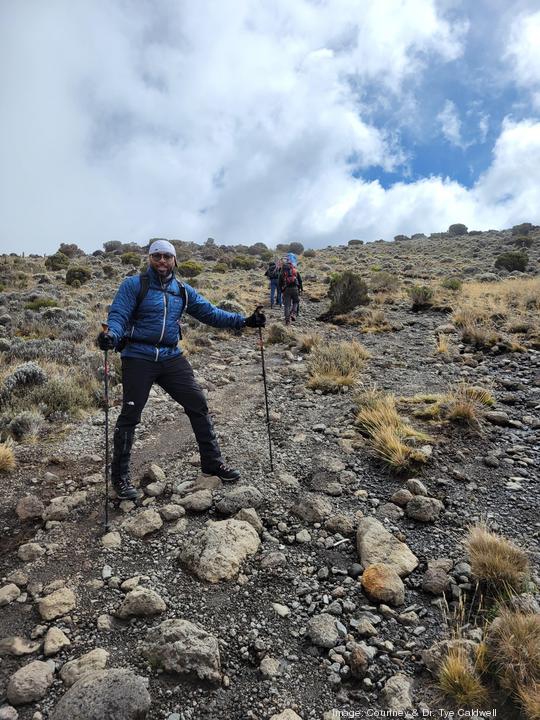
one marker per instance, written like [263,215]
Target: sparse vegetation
[335,366]
[7,457]
[78,275]
[58,261]
[512,260]
[190,268]
[347,291]
[496,562]
[421,296]
[513,642]
[459,680]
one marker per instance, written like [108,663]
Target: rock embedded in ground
[322,630]
[381,583]
[56,604]
[243,496]
[416,487]
[114,694]
[141,602]
[55,640]
[29,683]
[436,579]
[250,516]
[9,593]
[74,670]
[29,507]
[198,501]
[401,497]
[111,540]
[313,508]
[182,647]
[218,552]
[18,646]
[144,523]
[424,509]
[375,544]
[287,714]
[358,661]
[396,694]
[30,552]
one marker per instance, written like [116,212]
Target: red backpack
[288,274]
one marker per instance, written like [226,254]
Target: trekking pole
[261,345]
[105,327]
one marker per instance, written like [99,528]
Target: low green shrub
[347,290]
[451,283]
[78,275]
[131,258]
[220,268]
[420,295]
[41,302]
[243,262]
[512,260]
[58,261]
[190,268]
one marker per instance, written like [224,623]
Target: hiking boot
[223,472]
[124,489]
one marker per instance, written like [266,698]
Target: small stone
[269,667]
[382,583]
[111,540]
[8,594]
[322,630]
[281,610]
[55,640]
[416,486]
[358,661]
[30,552]
[424,509]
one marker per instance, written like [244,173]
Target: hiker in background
[145,326]
[272,273]
[290,283]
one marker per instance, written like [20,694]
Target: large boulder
[29,683]
[218,551]
[115,694]
[376,545]
[180,646]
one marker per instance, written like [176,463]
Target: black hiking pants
[175,376]
[291,301]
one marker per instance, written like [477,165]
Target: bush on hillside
[70,250]
[131,258]
[522,228]
[384,282]
[58,261]
[257,248]
[220,268]
[243,262]
[347,290]
[112,245]
[512,260]
[457,229]
[190,268]
[296,247]
[309,253]
[421,296]
[451,283]
[523,241]
[354,243]
[78,275]
[41,302]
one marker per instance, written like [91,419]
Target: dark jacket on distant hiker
[272,273]
[291,299]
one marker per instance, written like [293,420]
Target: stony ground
[324,483]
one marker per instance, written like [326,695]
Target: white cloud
[451,124]
[523,53]
[242,121]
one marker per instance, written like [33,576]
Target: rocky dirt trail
[270,612]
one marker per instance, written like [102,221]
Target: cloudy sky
[265,120]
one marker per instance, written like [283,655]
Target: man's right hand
[106,341]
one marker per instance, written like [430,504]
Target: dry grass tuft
[496,561]
[458,679]
[443,344]
[514,649]
[530,701]
[307,342]
[379,419]
[7,456]
[335,365]
[465,403]
[279,334]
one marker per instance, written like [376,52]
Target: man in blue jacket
[145,325]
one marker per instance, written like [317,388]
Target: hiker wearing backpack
[272,273]
[290,283]
[144,324]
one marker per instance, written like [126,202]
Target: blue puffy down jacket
[154,330]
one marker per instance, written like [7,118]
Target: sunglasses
[161,256]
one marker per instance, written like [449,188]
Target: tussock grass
[7,456]
[496,561]
[465,404]
[379,419]
[514,649]
[443,344]
[279,334]
[529,698]
[459,680]
[335,365]
[307,342]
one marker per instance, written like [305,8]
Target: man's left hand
[257,320]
